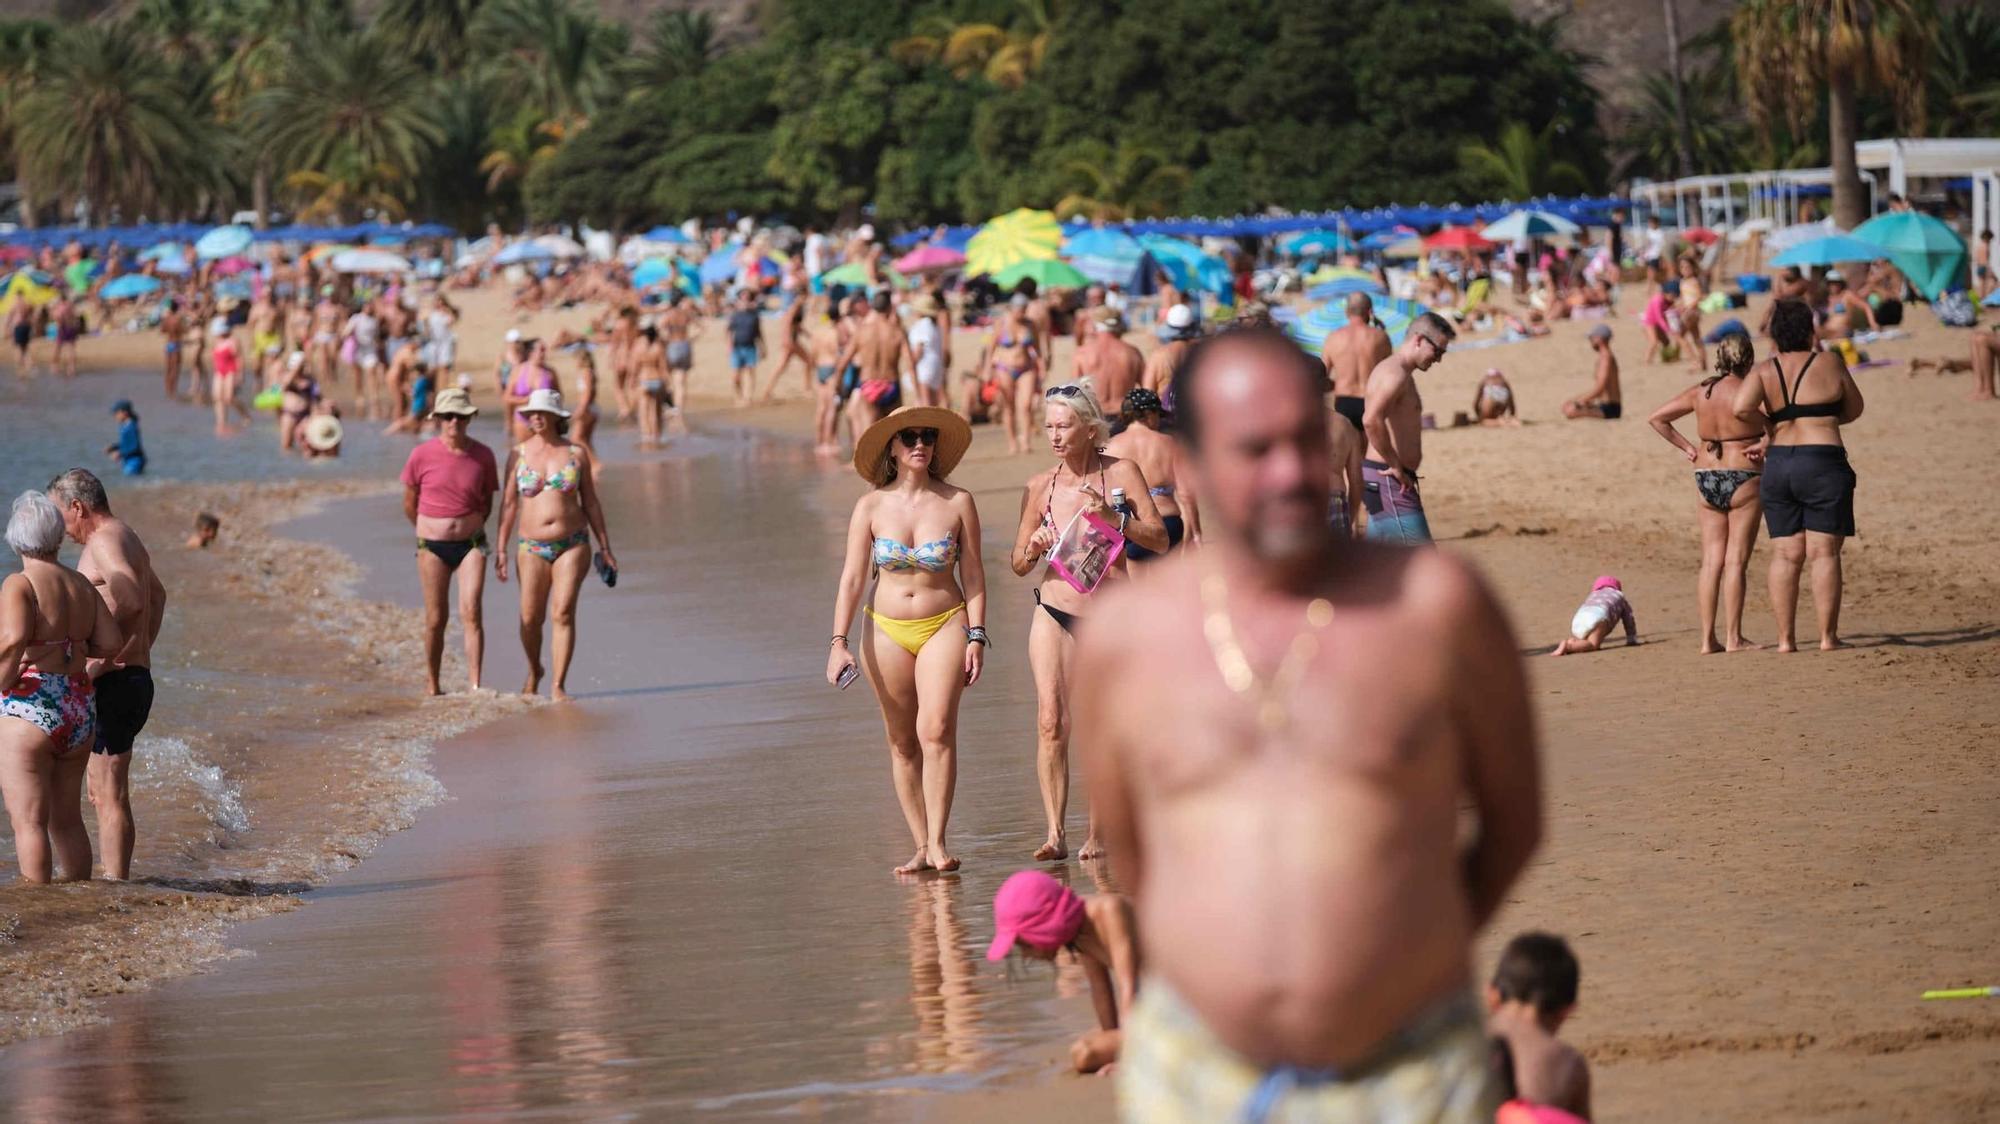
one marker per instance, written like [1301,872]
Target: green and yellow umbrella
[1019,235]
[26,286]
[1046,274]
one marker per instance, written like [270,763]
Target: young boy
[1042,917]
[1532,993]
[1606,606]
[128,450]
[206,527]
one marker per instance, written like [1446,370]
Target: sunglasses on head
[1063,392]
[911,438]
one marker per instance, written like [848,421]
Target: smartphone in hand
[847,677]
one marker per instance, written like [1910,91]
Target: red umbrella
[1458,238]
[1700,236]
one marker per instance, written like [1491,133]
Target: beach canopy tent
[1929,253]
[1828,250]
[1110,256]
[1018,235]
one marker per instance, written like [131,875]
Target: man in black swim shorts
[116,563]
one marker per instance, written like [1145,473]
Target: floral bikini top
[530,483]
[932,557]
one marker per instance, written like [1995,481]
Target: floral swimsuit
[58,705]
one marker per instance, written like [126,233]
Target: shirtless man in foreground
[1327,707]
[879,347]
[1350,352]
[1393,422]
[1112,365]
[116,563]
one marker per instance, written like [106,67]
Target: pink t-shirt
[452,484]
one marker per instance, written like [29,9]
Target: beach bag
[1086,551]
[1954,310]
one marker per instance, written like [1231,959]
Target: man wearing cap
[1142,443]
[1602,400]
[1113,366]
[448,487]
[1314,764]
[128,451]
[117,563]
[1179,333]
[1393,421]
[1350,352]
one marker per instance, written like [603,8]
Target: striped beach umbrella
[1018,235]
[1309,329]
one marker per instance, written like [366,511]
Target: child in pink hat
[1606,606]
[1040,917]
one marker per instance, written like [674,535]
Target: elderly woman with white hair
[1078,490]
[51,620]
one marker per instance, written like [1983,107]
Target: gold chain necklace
[1267,697]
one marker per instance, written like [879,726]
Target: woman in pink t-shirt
[448,488]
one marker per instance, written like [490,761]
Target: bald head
[1359,308]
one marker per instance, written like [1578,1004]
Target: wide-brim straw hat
[954,438]
[321,432]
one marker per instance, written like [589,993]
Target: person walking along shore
[448,488]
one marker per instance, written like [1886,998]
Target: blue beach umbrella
[518,252]
[223,242]
[1529,224]
[1111,257]
[651,272]
[128,286]
[162,251]
[1316,243]
[1191,269]
[1310,329]
[1829,250]
[1929,253]
[720,266]
[670,235]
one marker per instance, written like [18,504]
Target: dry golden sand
[1761,859]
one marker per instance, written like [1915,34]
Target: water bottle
[1118,501]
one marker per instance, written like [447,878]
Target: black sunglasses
[1063,392]
[911,438]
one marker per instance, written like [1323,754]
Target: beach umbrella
[1992,299]
[1929,253]
[930,257]
[1309,329]
[1190,269]
[230,267]
[1828,250]
[129,286]
[1699,236]
[369,261]
[1015,236]
[1744,230]
[560,246]
[325,250]
[719,266]
[1045,273]
[1458,238]
[162,251]
[1112,257]
[223,241]
[518,252]
[635,250]
[667,236]
[1337,282]
[854,275]
[1784,238]
[651,272]
[1314,243]
[1529,224]
[26,286]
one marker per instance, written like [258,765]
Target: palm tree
[1699,120]
[564,55]
[23,44]
[1964,73]
[351,112]
[679,44]
[1006,56]
[1134,182]
[1677,88]
[106,120]
[435,30]
[1787,50]
[517,146]
[1523,164]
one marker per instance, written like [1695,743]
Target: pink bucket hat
[1036,910]
[1606,582]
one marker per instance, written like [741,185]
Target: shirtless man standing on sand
[1392,421]
[1350,352]
[1158,458]
[1182,331]
[325,345]
[173,325]
[116,563]
[879,347]
[1327,707]
[1112,365]
[678,326]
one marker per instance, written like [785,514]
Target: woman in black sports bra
[1727,461]
[1806,396]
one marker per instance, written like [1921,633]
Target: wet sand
[674,896]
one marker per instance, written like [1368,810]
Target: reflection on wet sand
[128,1086]
[943,985]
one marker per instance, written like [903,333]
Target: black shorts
[1807,488]
[1350,407]
[124,702]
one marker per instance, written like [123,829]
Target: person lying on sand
[1532,993]
[1603,400]
[1041,917]
[1605,607]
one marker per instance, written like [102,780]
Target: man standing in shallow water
[1282,794]
[116,563]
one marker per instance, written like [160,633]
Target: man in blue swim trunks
[1392,417]
[746,345]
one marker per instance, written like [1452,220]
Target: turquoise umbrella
[1191,269]
[1309,330]
[1829,250]
[1929,253]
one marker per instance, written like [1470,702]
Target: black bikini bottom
[1066,620]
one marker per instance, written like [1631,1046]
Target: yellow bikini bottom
[912,635]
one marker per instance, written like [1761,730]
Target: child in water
[1606,606]
[1533,992]
[1042,917]
[206,527]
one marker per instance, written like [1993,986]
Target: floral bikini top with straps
[932,557]
[531,483]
